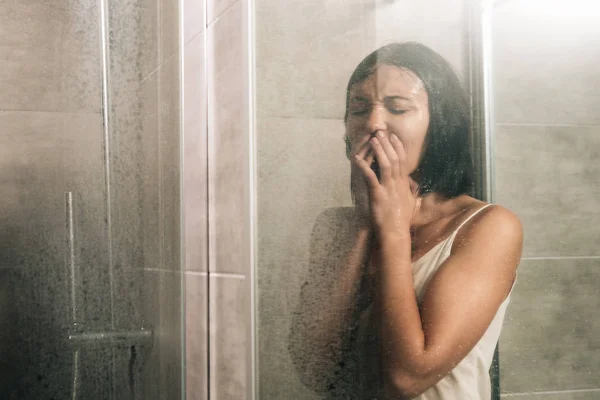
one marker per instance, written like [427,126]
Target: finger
[370,176]
[401,153]
[370,156]
[362,144]
[384,163]
[390,152]
[362,152]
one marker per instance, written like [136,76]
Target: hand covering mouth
[376,169]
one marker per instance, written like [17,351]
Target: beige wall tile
[135,34]
[150,172]
[439,24]
[551,334]
[127,176]
[195,156]
[560,395]
[81,57]
[162,313]
[548,176]
[228,151]
[169,29]
[214,8]
[194,19]
[229,338]
[196,304]
[32,157]
[170,162]
[545,64]
[306,52]
[30,49]
[43,156]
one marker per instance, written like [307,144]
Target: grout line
[208,242]
[551,392]
[82,112]
[218,17]
[226,275]
[166,271]
[183,333]
[561,258]
[544,124]
[323,118]
[153,72]
[197,273]
[252,363]
[192,38]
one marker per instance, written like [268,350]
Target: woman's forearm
[402,337]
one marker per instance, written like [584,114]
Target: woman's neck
[435,206]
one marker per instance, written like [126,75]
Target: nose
[376,121]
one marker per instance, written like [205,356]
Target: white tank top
[470,379]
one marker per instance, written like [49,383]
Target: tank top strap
[471,216]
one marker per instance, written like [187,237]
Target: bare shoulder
[493,229]
[494,219]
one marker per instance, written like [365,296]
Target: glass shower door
[90,282]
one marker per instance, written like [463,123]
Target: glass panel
[306,52]
[90,282]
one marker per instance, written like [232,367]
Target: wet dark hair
[446,165]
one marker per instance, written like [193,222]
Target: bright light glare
[566,8]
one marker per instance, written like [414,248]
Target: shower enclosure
[90,265]
[530,67]
[162,163]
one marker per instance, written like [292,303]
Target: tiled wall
[547,141]
[217,199]
[229,198]
[144,96]
[51,142]
[195,169]
[305,54]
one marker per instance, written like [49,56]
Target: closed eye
[360,112]
[396,111]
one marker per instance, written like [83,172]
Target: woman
[407,291]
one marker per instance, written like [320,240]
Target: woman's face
[392,100]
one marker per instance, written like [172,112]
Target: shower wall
[229,201]
[195,201]
[126,228]
[144,129]
[547,141]
[51,141]
[305,54]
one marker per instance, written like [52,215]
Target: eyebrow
[366,99]
[398,98]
